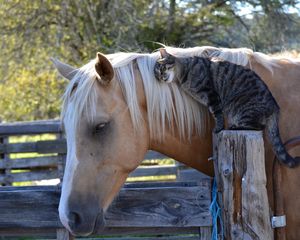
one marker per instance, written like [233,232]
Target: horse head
[103,146]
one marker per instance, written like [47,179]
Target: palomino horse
[114,111]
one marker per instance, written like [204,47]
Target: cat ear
[165,56]
[164,53]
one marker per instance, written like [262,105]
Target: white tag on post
[278,221]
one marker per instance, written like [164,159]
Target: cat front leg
[215,107]
[219,118]
[209,98]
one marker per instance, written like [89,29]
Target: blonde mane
[167,106]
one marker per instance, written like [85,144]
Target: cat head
[164,69]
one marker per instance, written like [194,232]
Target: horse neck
[194,153]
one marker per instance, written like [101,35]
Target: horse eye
[99,127]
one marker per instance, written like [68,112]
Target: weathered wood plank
[154,155]
[149,230]
[20,163]
[2,178]
[63,234]
[205,233]
[150,207]
[36,127]
[5,159]
[53,146]
[191,175]
[204,182]
[51,232]
[30,176]
[240,173]
[158,237]
[154,171]
[50,146]
[185,207]
[62,161]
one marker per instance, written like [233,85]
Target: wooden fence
[179,207]
[139,209]
[48,157]
[167,210]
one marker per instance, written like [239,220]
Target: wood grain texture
[181,206]
[150,230]
[50,146]
[134,207]
[241,178]
[28,163]
[63,234]
[109,231]
[30,176]
[158,237]
[36,127]
[191,175]
[154,155]
[5,160]
[205,233]
[154,171]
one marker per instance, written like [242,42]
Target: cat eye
[169,66]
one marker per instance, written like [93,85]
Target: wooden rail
[49,163]
[152,208]
[141,208]
[183,207]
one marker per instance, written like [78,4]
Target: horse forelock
[80,96]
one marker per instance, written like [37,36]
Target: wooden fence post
[62,160]
[240,174]
[6,160]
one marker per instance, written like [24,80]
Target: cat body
[228,90]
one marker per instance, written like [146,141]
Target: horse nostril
[74,219]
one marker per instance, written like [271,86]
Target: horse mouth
[99,223]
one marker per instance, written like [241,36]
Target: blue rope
[217,223]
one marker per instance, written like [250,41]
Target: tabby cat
[229,90]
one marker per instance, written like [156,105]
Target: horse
[114,111]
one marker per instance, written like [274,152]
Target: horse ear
[104,69]
[65,70]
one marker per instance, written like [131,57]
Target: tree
[74,30]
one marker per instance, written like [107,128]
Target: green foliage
[31,95]
[74,30]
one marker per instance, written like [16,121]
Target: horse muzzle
[85,223]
